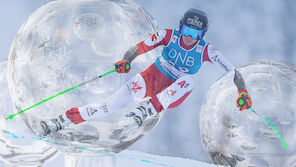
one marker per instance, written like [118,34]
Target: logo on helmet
[195,21]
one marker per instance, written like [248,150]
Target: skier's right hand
[123,66]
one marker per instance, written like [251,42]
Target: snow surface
[149,160]
[129,158]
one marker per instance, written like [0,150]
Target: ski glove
[123,66]
[244,101]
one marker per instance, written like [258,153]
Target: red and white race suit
[168,81]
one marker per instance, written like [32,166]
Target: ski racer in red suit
[167,82]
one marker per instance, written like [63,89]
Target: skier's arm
[160,38]
[217,58]
[131,54]
[239,81]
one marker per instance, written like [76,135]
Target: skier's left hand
[244,101]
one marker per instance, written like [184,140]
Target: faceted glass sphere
[67,42]
[245,138]
[18,146]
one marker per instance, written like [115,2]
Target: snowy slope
[129,158]
[149,160]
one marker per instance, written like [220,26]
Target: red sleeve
[160,38]
[205,56]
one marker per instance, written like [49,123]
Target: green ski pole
[84,83]
[285,145]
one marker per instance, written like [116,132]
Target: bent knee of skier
[74,116]
[179,101]
[175,94]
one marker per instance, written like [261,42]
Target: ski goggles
[188,31]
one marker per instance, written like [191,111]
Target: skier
[167,82]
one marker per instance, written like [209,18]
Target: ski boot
[135,120]
[143,112]
[52,126]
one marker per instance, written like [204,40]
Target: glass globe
[245,138]
[66,42]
